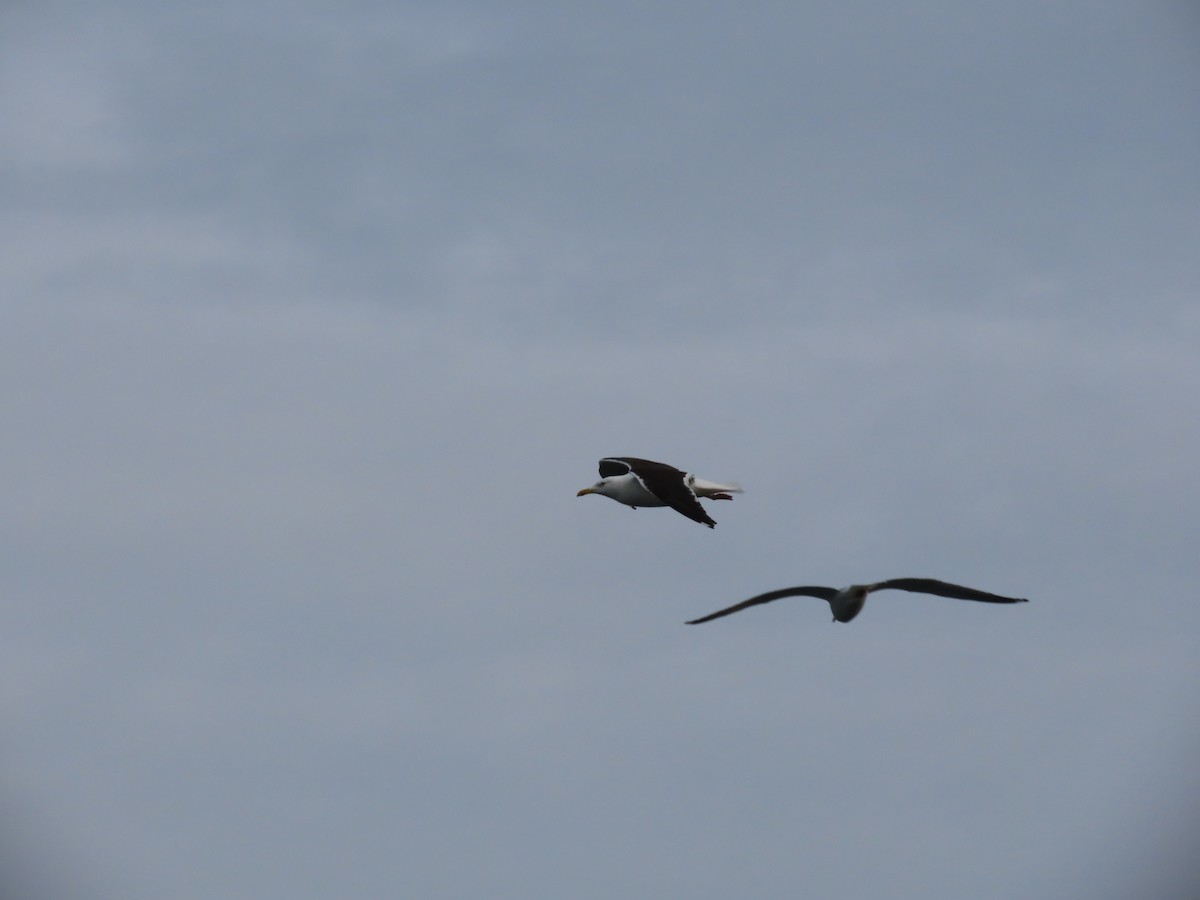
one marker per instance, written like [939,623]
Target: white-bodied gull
[640,482]
[848,602]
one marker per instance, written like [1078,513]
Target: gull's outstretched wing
[943,589]
[825,593]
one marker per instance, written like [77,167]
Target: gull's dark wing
[825,593]
[614,465]
[944,589]
[668,485]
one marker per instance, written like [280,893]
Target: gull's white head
[604,487]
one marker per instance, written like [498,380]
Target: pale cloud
[59,93]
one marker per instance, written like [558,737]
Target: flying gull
[640,482]
[848,602]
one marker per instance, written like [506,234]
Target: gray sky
[314,318]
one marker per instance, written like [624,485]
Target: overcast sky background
[314,318]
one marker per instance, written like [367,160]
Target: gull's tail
[714,491]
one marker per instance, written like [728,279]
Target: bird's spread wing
[944,589]
[825,593]
[680,498]
[614,465]
[664,482]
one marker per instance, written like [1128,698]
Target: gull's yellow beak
[586,491]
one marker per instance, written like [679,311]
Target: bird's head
[600,487]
